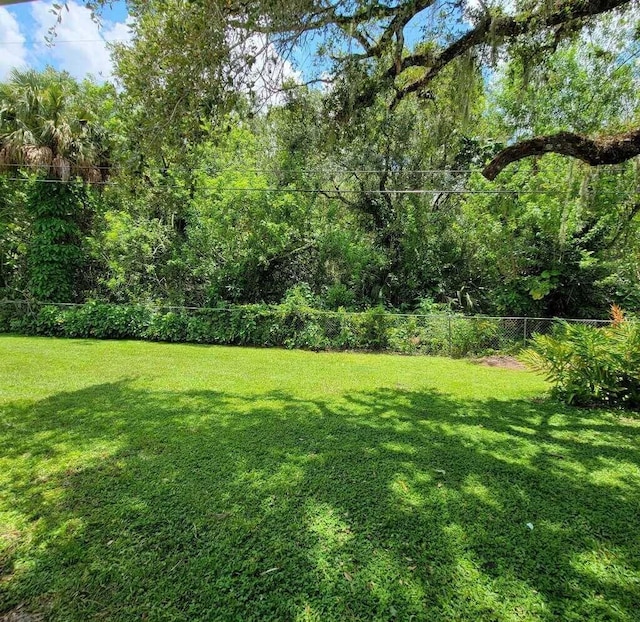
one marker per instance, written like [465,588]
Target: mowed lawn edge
[181,482]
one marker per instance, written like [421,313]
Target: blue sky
[81,45]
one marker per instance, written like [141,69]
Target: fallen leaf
[270,570]
[347,576]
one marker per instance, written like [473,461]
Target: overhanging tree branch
[500,28]
[594,151]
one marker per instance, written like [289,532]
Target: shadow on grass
[383,505]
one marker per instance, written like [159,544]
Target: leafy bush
[376,325]
[407,337]
[473,336]
[339,295]
[55,252]
[292,324]
[590,365]
[5,319]
[105,321]
[170,326]
[455,335]
[343,330]
[421,335]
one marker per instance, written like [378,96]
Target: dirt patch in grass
[20,614]
[506,362]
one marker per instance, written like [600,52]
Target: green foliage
[53,125]
[52,136]
[135,252]
[590,365]
[104,321]
[249,206]
[339,295]
[414,336]
[475,335]
[452,335]
[15,227]
[375,325]
[293,324]
[299,295]
[584,90]
[245,241]
[549,249]
[55,253]
[91,320]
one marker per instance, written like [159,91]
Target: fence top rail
[443,315]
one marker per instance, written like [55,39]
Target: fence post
[524,342]
[450,337]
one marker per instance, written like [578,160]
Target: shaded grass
[169,482]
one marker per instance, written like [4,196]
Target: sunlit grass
[167,482]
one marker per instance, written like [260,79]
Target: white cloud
[13,52]
[82,47]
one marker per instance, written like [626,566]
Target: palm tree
[45,127]
[48,136]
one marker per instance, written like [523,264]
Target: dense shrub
[421,335]
[168,326]
[454,335]
[376,327]
[292,324]
[473,336]
[590,365]
[56,254]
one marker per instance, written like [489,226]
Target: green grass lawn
[146,481]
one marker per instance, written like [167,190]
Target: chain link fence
[282,326]
[457,335]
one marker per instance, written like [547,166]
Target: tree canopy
[46,123]
[190,59]
[345,154]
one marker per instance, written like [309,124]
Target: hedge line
[285,325]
